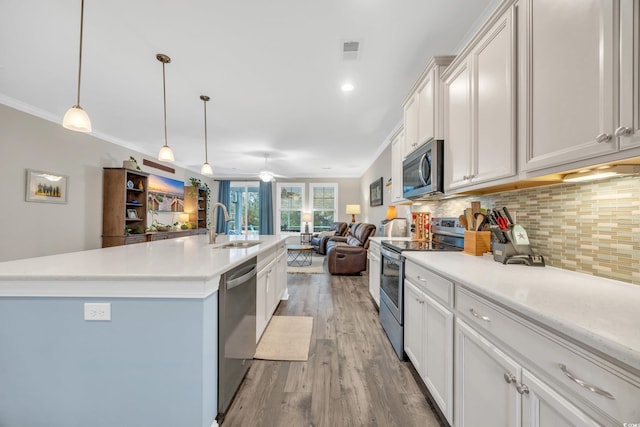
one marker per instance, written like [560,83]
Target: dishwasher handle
[244,275]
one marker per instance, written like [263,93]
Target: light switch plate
[97,311]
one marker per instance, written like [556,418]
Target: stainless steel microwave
[422,172]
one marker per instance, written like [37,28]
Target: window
[323,203]
[290,204]
[244,209]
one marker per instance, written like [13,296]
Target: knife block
[477,242]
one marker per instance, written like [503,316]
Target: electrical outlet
[97,311]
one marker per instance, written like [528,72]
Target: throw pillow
[327,233]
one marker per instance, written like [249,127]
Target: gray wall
[30,229]
[381,167]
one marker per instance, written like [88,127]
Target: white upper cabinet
[457,143]
[567,54]
[423,117]
[628,129]
[397,154]
[479,105]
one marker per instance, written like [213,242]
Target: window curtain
[224,197]
[265,193]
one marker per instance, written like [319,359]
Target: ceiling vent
[350,50]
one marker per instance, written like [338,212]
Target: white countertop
[183,267]
[601,313]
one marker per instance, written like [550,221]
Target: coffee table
[299,255]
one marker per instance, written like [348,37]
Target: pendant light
[76,118]
[165,154]
[206,168]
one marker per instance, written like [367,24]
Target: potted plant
[132,163]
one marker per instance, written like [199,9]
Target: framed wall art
[375,193]
[46,187]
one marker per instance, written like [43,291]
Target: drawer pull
[479,316]
[586,385]
[421,279]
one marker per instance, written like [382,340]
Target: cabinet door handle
[522,388]
[603,137]
[421,279]
[509,377]
[584,384]
[623,131]
[479,316]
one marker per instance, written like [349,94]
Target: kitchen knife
[506,213]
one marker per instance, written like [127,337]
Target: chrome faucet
[227,218]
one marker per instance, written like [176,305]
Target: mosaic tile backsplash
[592,228]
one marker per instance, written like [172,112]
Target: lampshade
[353,209]
[306,217]
[391,212]
[76,118]
[184,217]
[166,154]
[206,169]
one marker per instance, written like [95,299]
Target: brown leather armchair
[319,243]
[348,255]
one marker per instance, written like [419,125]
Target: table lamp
[306,218]
[353,210]
[391,212]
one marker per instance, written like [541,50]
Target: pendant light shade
[76,118]
[166,153]
[206,168]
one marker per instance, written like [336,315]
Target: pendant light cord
[80,54]
[206,153]
[164,95]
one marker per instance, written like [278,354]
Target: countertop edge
[611,350]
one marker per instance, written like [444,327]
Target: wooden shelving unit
[124,206]
[195,204]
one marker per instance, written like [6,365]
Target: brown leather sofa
[348,255]
[319,243]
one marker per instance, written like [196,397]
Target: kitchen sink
[239,244]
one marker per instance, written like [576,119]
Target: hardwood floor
[352,377]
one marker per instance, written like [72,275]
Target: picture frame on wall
[375,193]
[46,187]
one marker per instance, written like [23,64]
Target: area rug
[286,338]
[316,267]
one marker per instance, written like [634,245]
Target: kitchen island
[153,363]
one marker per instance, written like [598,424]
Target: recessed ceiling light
[347,87]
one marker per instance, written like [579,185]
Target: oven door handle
[389,254]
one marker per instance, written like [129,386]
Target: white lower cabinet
[374,271]
[494,390]
[428,342]
[542,406]
[271,285]
[483,397]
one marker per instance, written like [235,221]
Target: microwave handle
[420,170]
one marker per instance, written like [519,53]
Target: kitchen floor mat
[286,338]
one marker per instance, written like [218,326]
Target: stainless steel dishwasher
[236,330]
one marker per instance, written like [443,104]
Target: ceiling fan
[265,175]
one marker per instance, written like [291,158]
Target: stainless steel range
[447,235]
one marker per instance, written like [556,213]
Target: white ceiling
[273,70]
